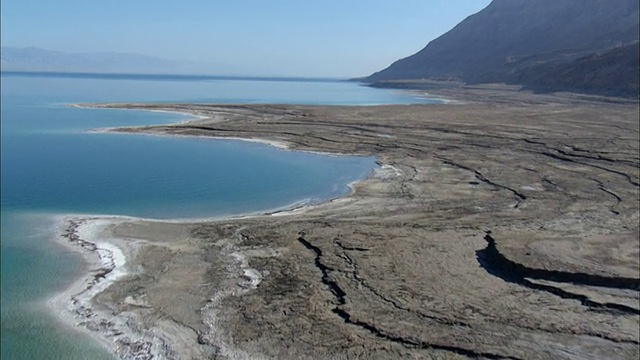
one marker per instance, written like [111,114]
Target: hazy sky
[345,38]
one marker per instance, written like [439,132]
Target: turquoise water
[51,166]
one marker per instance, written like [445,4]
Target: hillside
[614,72]
[499,43]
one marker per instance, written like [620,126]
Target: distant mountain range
[41,60]
[577,45]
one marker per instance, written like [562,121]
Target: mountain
[36,59]
[614,72]
[509,38]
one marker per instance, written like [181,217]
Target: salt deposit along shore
[106,258]
[504,226]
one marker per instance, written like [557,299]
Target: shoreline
[106,258]
[190,116]
[147,130]
[425,238]
[106,262]
[121,130]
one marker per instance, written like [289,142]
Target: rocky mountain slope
[509,38]
[614,72]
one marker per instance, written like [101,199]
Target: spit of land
[501,225]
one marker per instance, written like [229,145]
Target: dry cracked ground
[502,226]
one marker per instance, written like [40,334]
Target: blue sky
[344,38]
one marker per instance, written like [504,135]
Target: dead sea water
[52,166]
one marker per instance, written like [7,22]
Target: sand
[501,225]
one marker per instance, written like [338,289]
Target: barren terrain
[502,226]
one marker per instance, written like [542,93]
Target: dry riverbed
[502,226]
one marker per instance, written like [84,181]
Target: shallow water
[51,166]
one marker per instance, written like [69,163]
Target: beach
[501,225]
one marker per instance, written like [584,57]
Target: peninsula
[502,225]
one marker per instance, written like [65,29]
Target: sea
[52,165]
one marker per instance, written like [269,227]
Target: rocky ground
[502,226]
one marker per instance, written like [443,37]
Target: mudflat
[504,225]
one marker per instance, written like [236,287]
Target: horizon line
[169,76]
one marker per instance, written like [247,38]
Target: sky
[330,38]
